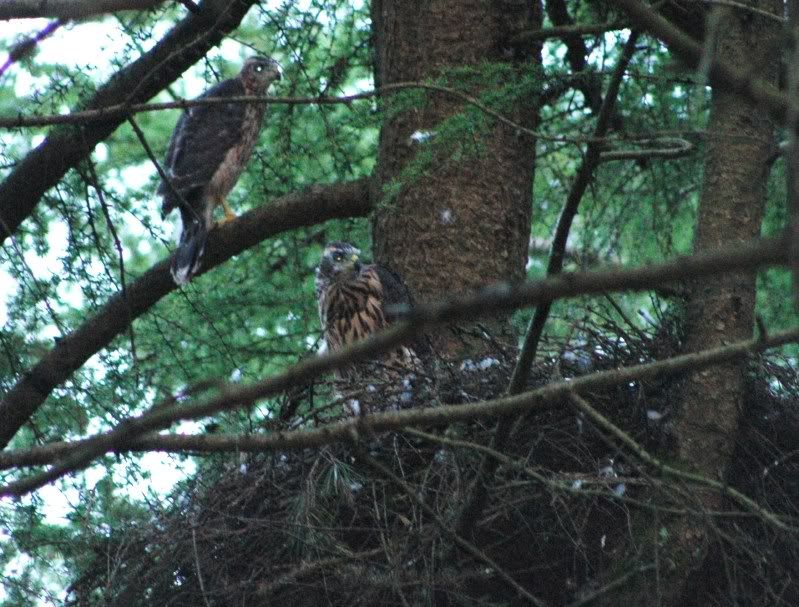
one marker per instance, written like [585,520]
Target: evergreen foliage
[256,314]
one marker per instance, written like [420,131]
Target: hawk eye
[259,68]
[337,256]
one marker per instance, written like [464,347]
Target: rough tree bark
[466,222]
[719,309]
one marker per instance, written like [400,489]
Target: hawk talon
[229,214]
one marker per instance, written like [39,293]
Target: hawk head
[340,262]
[259,72]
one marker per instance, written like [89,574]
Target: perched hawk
[353,300]
[208,151]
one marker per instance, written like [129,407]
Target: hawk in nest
[208,151]
[354,302]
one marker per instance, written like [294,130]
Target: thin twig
[113,111]
[619,581]
[643,454]
[121,260]
[128,435]
[197,566]
[462,542]
[30,391]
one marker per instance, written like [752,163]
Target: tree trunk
[719,310]
[464,222]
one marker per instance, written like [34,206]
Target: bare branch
[670,147]
[105,113]
[64,148]
[305,208]
[27,46]
[69,9]
[613,584]
[76,348]
[129,435]
[563,31]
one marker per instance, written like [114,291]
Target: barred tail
[186,260]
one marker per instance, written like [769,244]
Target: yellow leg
[229,214]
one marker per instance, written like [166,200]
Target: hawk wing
[200,142]
[396,293]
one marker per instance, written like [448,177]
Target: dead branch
[69,9]
[129,435]
[348,200]
[668,148]
[564,31]
[76,348]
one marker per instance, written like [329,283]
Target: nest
[325,526]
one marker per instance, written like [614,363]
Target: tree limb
[300,209]
[65,147]
[345,201]
[74,349]
[68,9]
[563,31]
[131,434]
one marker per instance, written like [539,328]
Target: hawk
[354,301]
[208,151]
